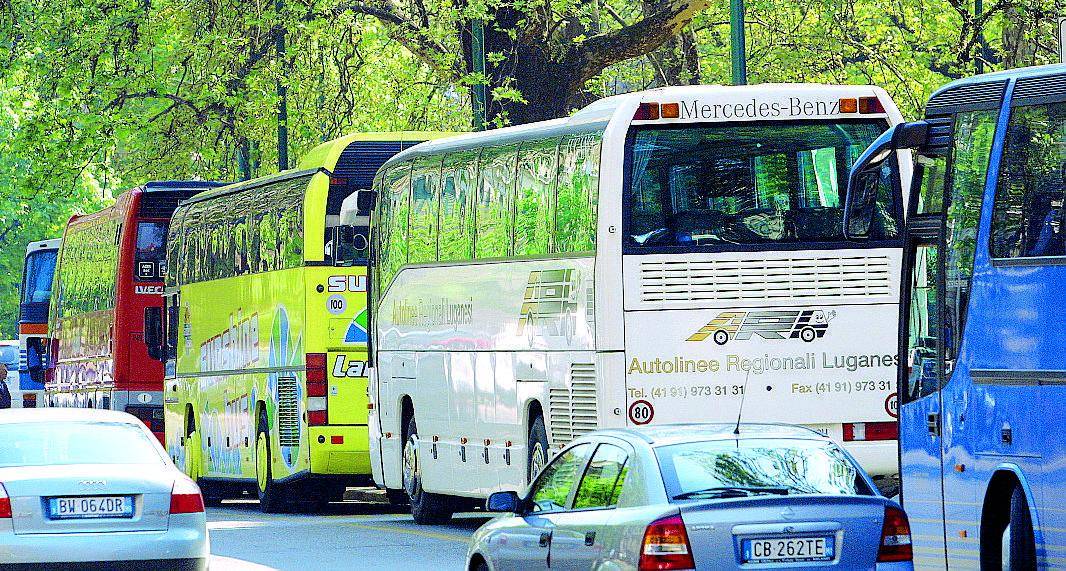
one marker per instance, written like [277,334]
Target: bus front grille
[666,283]
[572,409]
[288,413]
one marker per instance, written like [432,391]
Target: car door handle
[545,538]
[590,537]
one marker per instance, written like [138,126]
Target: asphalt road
[348,535]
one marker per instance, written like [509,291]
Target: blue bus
[982,336]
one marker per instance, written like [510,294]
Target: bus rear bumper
[340,450]
[878,458]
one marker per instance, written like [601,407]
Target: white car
[84,488]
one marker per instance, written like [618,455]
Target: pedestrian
[5,393]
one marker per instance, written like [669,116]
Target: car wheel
[1019,545]
[270,493]
[427,508]
[538,449]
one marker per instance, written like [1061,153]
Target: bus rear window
[747,184]
[150,260]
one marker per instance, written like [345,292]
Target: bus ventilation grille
[288,413]
[572,409]
[666,283]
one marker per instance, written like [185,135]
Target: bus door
[920,399]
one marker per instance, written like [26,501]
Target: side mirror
[866,175]
[504,502]
[357,207]
[153,332]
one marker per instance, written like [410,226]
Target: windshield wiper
[732,492]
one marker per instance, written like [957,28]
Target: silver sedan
[697,497]
[91,488]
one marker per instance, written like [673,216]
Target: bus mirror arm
[153,332]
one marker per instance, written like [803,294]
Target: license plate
[91,507]
[788,549]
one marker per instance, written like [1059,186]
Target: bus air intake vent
[572,409]
[666,283]
[1034,90]
[968,97]
[288,413]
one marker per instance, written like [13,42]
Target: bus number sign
[336,304]
[641,412]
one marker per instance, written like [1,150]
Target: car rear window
[62,443]
[736,468]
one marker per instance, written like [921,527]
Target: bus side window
[456,236]
[972,148]
[579,173]
[395,199]
[535,197]
[425,200]
[1028,213]
[495,216]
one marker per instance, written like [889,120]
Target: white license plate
[91,507]
[768,550]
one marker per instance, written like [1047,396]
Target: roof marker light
[870,105]
[849,105]
[670,110]
[647,112]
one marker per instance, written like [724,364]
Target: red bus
[110,267]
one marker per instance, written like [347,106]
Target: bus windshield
[40,266]
[747,183]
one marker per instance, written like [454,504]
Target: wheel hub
[411,472]
[537,460]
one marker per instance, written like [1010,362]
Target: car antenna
[743,395]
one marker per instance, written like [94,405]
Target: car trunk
[32,490]
[851,523]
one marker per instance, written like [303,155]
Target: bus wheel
[538,449]
[1019,545]
[426,507]
[269,491]
[721,337]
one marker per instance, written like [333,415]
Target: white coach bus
[659,257]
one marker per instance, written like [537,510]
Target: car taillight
[151,416]
[666,546]
[895,537]
[5,504]
[316,389]
[186,498]
[867,431]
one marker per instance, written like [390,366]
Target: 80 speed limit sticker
[641,412]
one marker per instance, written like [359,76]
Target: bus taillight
[868,431]
[315,366]
[646,112]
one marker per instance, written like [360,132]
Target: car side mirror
[153,332]
[504,502]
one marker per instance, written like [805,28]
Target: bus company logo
[148,290]
[343,368]
[337,284]
[549,303]
[806,325]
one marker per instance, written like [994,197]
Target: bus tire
[1019,549]
[271,496]
[538,448]
[427,508]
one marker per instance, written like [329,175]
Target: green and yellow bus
[264,329]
